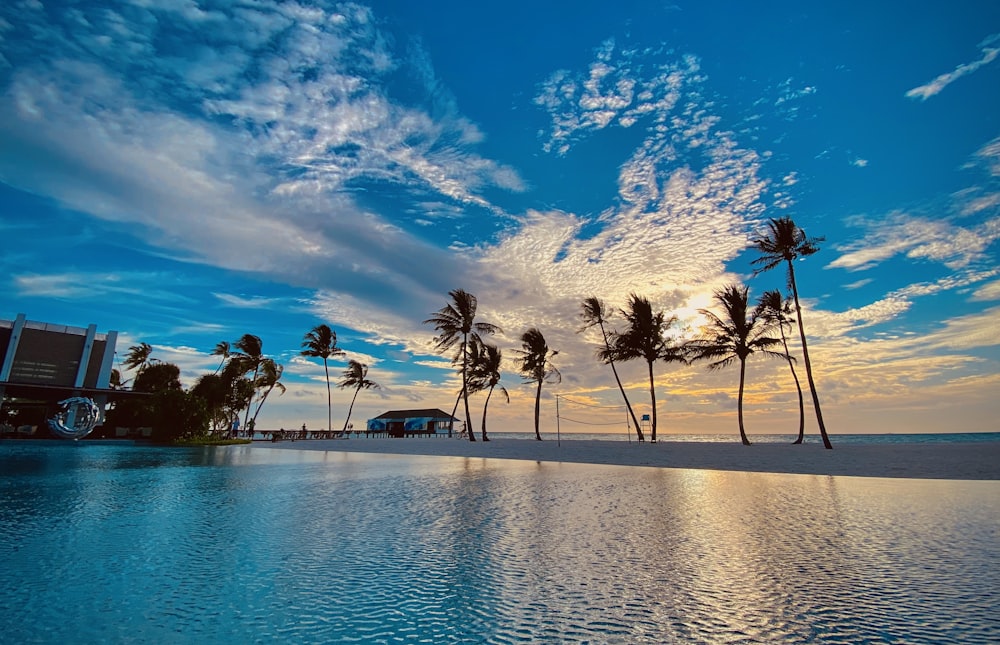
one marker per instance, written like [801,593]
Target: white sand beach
[968,461]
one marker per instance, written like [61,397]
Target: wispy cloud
[917,238]
[246,137]
[990,48]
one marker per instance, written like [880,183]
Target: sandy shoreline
[968,461]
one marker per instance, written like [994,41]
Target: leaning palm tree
[646,338]
[484,367]
[776,310]
[593,313]
[456,324]
[786,242]
[734,336]
[536,366]
[356,376]
[267,380]
[221,349]
[248,356]
[138,357]
[321,342]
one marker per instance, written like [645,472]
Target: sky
[185,172]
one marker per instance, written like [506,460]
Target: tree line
[239,387]
[246,377]
[739,330]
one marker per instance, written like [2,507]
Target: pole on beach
[558,433]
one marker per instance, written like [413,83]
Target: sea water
[240,544]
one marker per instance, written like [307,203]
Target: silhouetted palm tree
[536,366]
[646,338]
[321,342]
[595,313]
[356,376]
[268,379]
[786,242]
[776,310]
[138,357]
[733,337]
[221,349]
[455,323]
[247,358]
[484,373]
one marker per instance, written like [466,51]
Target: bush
[178,415]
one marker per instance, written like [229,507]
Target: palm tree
[776,310]
[248,357]
[536,366]
[595,313]
[356,376]
[138,357]
[733,337]
[455,323]
[484,366]
[321,342]
[786,242]
[267,379]
[646,338]
[221,349]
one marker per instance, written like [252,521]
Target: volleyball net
[585,413]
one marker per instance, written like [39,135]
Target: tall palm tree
[267,380]
[593,313]
[455,324]
[221,349]
[248,354]
[356,376]
[321,342]
[734,336]
[138,357]
[646,338]
[484,366]
[786,242]
[536,366]
[776,310]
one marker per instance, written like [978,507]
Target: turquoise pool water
[127,544]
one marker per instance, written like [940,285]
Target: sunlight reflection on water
[237,544]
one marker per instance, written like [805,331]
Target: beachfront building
[44,363]
[409,423]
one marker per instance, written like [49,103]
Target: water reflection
[245,544]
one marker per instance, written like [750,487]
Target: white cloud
[990,48]
[987,292]
[917,238]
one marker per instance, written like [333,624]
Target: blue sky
[186,172]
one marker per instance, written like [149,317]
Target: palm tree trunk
[486,405]
[451,421]
[798,387]
[739,403]
[260,404]
[246,415]
[329,398]
[621,388]
[465,387]
[350,409]
[652,401]
[805,359]
[538,401]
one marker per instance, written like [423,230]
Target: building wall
[47,354]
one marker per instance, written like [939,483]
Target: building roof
[427,413]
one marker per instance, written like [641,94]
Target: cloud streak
[990,48]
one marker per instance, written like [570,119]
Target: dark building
[43,363]
[399,423]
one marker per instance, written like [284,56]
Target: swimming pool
[107,543]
